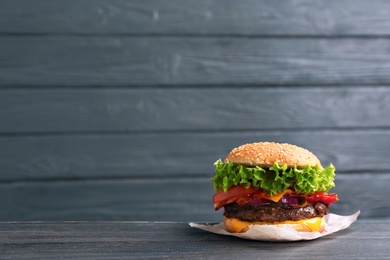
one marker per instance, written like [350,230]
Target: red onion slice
[289,200]
[283,200]
[259,202]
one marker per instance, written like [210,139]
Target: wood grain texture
[205,17]
[175,199]
[192,109]
[153,199]
[182,61]
[133,240]
[116,110]
[175,154]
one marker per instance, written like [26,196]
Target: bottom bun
[235,225]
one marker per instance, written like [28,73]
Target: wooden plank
[177,109]
[151,199]
[202,17]
[365,239]
[175,154]
[175,199]
[122,61]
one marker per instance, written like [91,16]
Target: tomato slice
[322,197]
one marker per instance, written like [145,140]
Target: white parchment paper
[333,223]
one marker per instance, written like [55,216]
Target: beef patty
[275,212]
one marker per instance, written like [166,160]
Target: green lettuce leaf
[275,180]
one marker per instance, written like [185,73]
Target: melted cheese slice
[277,197]
[313,224]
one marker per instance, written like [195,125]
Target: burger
[277,184]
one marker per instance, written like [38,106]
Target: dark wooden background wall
[117,109]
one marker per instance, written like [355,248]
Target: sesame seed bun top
[265,154]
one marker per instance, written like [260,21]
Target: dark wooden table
[364,239]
